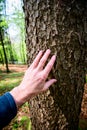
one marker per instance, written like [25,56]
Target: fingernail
[41,51]
[48,50]
[54,56]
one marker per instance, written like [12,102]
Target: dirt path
[18,68]
[14,68]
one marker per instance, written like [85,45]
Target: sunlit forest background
[12,33]
[13,59]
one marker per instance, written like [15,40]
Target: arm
[34,81]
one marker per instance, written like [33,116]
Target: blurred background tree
[3,27]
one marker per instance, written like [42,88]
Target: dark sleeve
[8,109]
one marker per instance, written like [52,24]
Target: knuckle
[50,65]
[42,77]
[42,61]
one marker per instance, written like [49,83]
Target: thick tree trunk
[60,25]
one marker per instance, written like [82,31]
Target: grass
[9,81]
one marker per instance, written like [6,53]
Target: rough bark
[60,25]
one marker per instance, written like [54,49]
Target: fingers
[49,83]
[44,59]
[40,61]
[37,59]
[49,66]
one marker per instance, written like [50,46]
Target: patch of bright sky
[11,6]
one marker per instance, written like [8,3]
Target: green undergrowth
[7,82]
[23,124]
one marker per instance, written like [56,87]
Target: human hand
[34,81]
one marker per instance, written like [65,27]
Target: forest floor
[22,120]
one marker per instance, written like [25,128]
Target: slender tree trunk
[6,60]
[11,52]
[22,52]
[60,25]
[2,60]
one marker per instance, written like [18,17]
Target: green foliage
[1,5]
[3,23]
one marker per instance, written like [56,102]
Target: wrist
[18,96]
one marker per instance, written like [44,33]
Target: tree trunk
[1,58]
[5,56]
[11,52]
[60,25]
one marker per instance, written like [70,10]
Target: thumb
[49,83]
